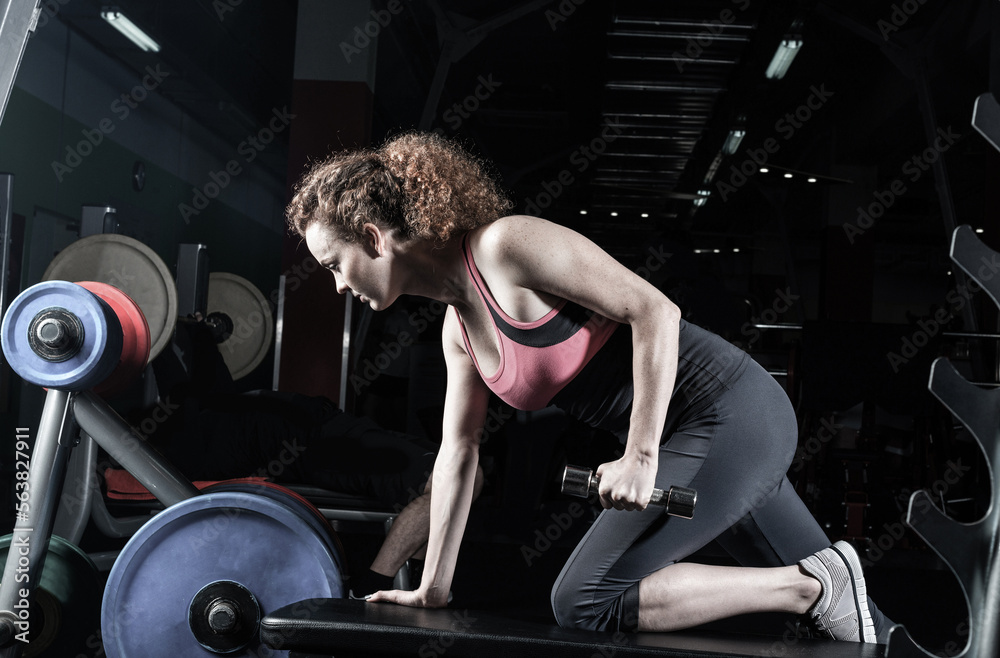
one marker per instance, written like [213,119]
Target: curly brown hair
[422,184]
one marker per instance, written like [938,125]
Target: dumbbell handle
[676,501]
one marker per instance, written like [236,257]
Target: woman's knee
[571,611]
[565,607]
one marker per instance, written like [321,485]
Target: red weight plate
[135,333]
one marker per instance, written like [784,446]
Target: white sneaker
[842,610]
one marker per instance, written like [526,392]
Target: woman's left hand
[413,599]
[626,484]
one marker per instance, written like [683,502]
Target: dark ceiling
[620,109]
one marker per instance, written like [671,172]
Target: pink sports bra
[537,359]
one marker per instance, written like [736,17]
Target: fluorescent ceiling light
[702,197]
[132,31]
[783,58]
[733,140]
[713,168]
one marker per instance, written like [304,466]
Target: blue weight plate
[249,539]
[102,342]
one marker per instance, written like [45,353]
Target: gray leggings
[735,454]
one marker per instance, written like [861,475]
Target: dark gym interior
[806,216]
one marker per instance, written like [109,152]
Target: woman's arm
[547,258]
[466,401]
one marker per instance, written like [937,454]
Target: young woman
[540,315]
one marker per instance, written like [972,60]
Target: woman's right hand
[626,484]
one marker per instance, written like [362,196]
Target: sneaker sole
[850,558]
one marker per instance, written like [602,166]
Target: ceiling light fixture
[702,197]
[788,175]
[733,140]
[712,168]
[764,170]
[783,58]
[132,31]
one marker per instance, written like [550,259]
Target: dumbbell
[676,501]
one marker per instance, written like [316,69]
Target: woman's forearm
[655,338]
[451,499]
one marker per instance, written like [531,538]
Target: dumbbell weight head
[676,501]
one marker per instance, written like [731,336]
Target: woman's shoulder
[500,237]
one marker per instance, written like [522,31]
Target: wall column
[332,106]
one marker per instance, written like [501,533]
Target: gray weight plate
[130,266]
[250,317]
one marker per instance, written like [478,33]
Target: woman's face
[360,268]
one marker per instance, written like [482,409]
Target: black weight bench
[320,628]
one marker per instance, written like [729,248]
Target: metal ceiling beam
[17,21]
[458,41]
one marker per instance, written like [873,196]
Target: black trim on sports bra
[563,325]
